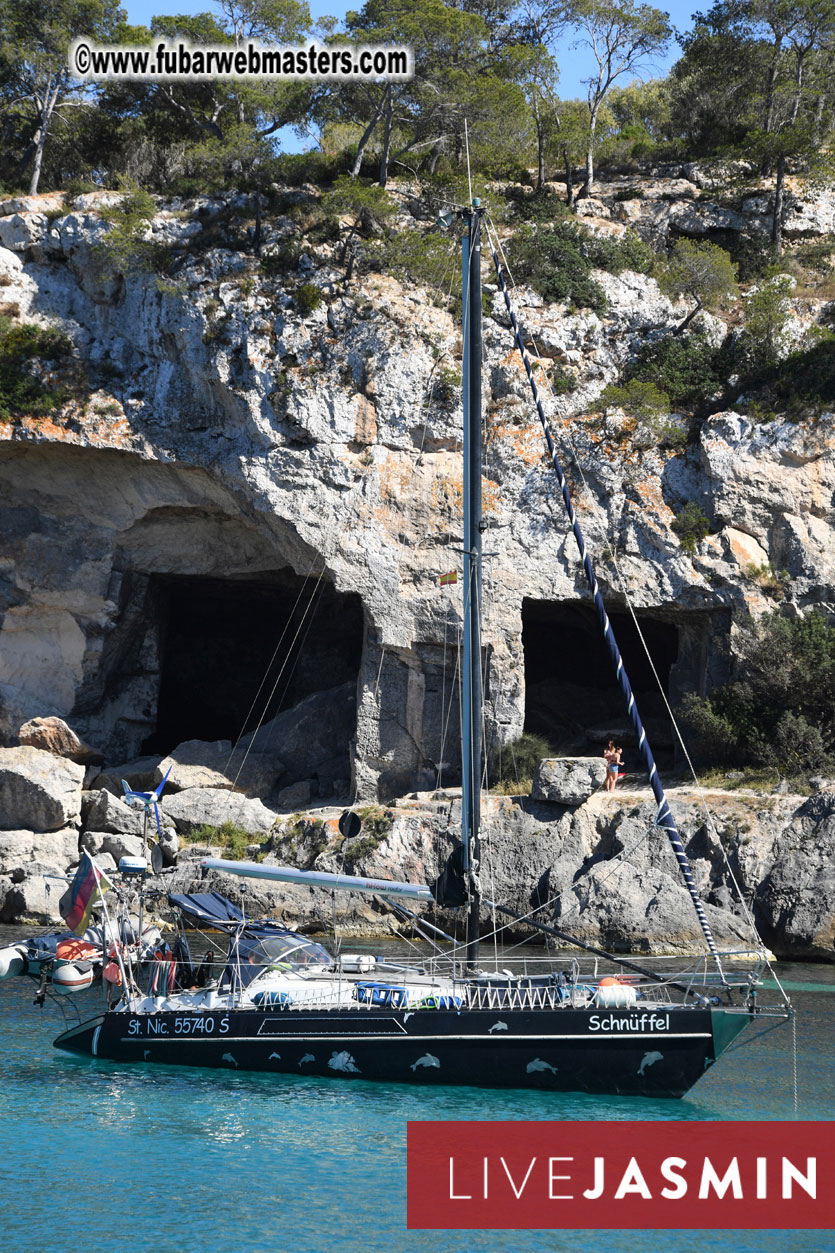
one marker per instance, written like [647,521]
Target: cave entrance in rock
[222,667]
[571,695]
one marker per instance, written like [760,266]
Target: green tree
[535,70]
[368,208]
[36,84]
[211,135]
[622,36]
[569,139]
[554,261]
[423,113]
[767,313]
[640,119]
[778,707]
[703,272]
[715,86]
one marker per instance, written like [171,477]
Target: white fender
[11,962]
[71,978]
[611,994]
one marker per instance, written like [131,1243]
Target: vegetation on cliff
[778,708]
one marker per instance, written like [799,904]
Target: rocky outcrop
[795,898]
[601,871]
[38,791]
[595,866]
[196,763]
[209,807]
[33,866]
[102,811]
[311,739]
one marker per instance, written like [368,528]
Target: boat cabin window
[291,952]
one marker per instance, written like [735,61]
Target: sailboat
[281,1004]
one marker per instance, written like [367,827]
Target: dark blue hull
[649,1053]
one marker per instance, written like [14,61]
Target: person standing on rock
[612,756]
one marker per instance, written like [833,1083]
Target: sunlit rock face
[230,479]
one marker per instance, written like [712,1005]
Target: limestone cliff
[224,443]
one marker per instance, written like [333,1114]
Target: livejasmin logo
[679,1173]
[621,1175]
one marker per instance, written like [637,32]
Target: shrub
[320,168]
[368,204]
[800,385]
[689,369]
[285,258]
[650,408]
[445,386]
[778,708]
[702,271]
[562,383]
[641,400]
[308,298]
[552,261]
[21,391]
[540,206]
[518,761]
[234,840]
[773,582]
[691,526]
[753,255]
[767,313]
[125,246]
[426,259]
[615,255]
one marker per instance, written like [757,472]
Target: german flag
[446,579]
[83,894]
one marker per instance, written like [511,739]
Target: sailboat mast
[472,696]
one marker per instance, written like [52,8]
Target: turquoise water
[100,1156]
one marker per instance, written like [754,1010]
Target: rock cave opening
[235,650]
[572,698]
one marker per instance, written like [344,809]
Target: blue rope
[664,818]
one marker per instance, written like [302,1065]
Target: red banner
[593,1175]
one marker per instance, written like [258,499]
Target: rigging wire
[270,664]
[309,610]
[620,583]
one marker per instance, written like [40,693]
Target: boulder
[54,736]
[99,843]
[138,774]
[102,811]
[568,780]
[170,844]
[21,231]
[202,806]
[201,763]
[795,901]
[312,737]
[296,796]
[38,791]
[34,900]
[19,849]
